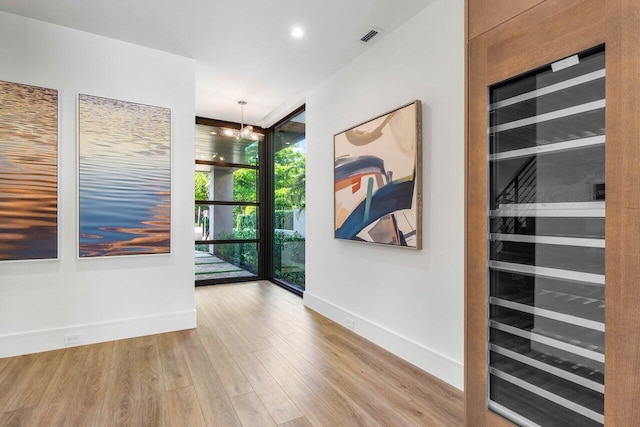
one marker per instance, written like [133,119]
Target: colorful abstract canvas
[28,172]
[378,179]
[124,178]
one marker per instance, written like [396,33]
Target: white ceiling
[243,48]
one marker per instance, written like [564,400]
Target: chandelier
[245,133]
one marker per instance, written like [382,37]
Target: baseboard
[91,333]
[426,359]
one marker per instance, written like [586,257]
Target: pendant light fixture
[245,133]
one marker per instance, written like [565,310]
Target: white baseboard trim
[91,333]
[426,359]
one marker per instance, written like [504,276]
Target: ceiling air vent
[371,34]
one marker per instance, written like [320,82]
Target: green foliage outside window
[243,255]
[290,175]
[245,185]
[201,185]
[289,258]
[289,186]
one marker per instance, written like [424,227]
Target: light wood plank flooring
[257,358]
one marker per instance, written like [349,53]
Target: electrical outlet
[72,339]
[349,323]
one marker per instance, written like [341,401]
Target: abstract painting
[28,172]
[378,179]
[124,178]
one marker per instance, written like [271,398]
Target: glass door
[227,203]
[547,244]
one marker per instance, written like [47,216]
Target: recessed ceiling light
[297,32]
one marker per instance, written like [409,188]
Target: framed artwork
[28,172]
[378,179]
[124,178]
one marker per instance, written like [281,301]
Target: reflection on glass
[569,176]
[222,222]
[547,247]
[289,191]
[219,144]
[226,261]
[574,258]
[553,227]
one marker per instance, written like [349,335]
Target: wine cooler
[546,244]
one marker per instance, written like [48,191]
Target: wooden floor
[257,358]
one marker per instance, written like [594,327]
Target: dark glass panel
[574,258]
[289,201]
[535,408]
[549,226]
[589,62]
[226,261]
[570,97]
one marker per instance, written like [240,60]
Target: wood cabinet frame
[537,33]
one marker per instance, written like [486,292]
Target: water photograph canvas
[378,178]
[124,177]
[28,172]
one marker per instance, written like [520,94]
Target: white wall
[108,298]
[410,302]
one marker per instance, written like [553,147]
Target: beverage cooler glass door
[546,244]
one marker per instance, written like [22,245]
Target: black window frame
[265,203]
[259,204]
[269,206]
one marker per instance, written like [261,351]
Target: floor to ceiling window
[249,215]
[289,165]
[227,203]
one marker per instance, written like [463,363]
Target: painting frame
[376,149]
[124,248]
[45,115]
